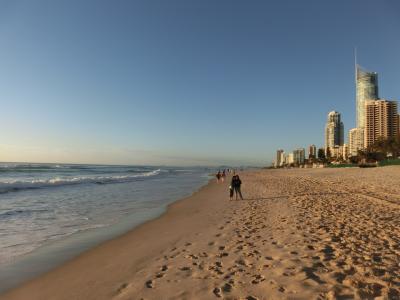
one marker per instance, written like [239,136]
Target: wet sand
[299,234]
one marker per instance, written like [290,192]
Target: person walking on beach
[223,175]
[236,185]
[218,175]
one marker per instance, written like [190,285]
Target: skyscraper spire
[355,64]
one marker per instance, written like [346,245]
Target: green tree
[383,148]
[321,154]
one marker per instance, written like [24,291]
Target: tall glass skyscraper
[366,89]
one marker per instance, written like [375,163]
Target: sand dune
[299,234]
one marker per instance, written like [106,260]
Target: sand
[299,234]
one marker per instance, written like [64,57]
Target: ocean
[45,204]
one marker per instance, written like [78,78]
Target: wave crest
[18,185]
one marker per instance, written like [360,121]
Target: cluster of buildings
[297,157]
[376,118]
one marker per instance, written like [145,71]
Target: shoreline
[56,254]
[75,266]
[298,234]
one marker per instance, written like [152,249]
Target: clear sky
[184,82]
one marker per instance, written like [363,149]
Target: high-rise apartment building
[290,158]
[334,132]
[312,151]
[340,152]
[366,89]
[381,120]
[398,122]
[299,156]
[356,140]
[279,160]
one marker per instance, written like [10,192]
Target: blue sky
[184,82]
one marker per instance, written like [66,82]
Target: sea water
[43,204]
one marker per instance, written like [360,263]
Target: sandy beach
[298,234]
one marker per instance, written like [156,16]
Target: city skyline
[158,83]
[376,118]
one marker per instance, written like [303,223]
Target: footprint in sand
[223,254]
[164,268]
[227,288]
[217,292]
[149,284]
[192,256]
[122,288]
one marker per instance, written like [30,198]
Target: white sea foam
[88,200]
[16,185]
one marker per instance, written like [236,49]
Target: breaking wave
[18,185]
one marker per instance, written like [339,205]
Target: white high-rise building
[340,152]
[312,151]
[334,132]
[279,158]
[290,158]
[356,141]
[283,159]
[299,156]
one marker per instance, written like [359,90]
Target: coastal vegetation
[383,152]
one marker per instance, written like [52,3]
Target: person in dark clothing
[218,175]
[236,184]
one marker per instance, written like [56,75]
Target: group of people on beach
[235,186]
[221,175]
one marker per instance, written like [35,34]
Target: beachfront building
[282,160]
[290,158]
[280,157]
[335,152]
[340,152]
[299,156]
[356,141]
[334,132]
[345,151]
[398,122]
[312,152]
[381,120]
[285,159]
[366,89]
